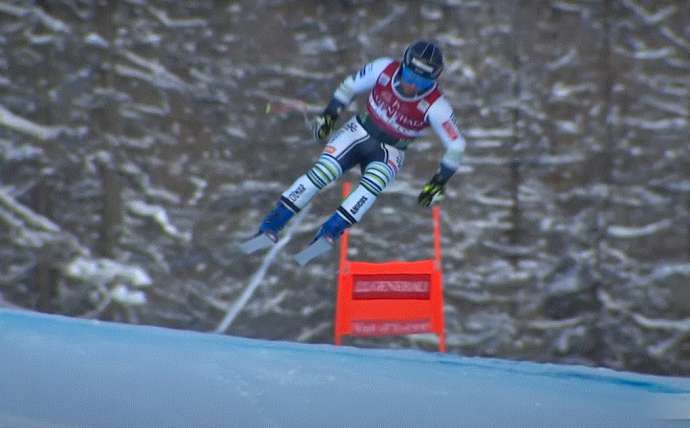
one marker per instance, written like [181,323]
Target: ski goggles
[410,77]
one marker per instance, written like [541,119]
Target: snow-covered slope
[64,372]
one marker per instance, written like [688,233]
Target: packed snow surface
[61,372]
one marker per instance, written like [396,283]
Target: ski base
[315,249]
[258,242]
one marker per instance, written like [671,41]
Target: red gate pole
[345,239]
[342,268]
[436,216]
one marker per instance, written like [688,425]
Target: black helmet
[424,58]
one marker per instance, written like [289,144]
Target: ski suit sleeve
[442,120]
[360,81]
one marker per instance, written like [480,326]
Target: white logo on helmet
[422,66]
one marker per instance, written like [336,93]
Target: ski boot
[331,230]
[268,230]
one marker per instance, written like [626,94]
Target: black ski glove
[433,190]
[325,122]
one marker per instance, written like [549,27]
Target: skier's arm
[361,81]
[442,120]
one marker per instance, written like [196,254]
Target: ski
[256,243]
[315,249]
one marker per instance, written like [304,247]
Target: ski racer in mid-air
[404,98]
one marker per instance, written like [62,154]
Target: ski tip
[302,259]
[256,243]
[315,249]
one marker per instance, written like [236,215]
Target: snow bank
[638,232]
[160,216]
[103,271]
[59,371]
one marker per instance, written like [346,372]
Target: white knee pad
[377,176]
[325,171]
[303,190]
[298,195]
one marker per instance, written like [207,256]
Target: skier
[404,98]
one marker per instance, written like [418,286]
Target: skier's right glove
[324,123]
[323,126]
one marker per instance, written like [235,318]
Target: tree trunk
[45,277]
[111,211]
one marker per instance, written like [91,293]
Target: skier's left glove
[433,190]
[325,122]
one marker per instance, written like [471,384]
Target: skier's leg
[378,173]
[338,156]
[300,193]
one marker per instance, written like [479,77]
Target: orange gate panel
[391,298]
